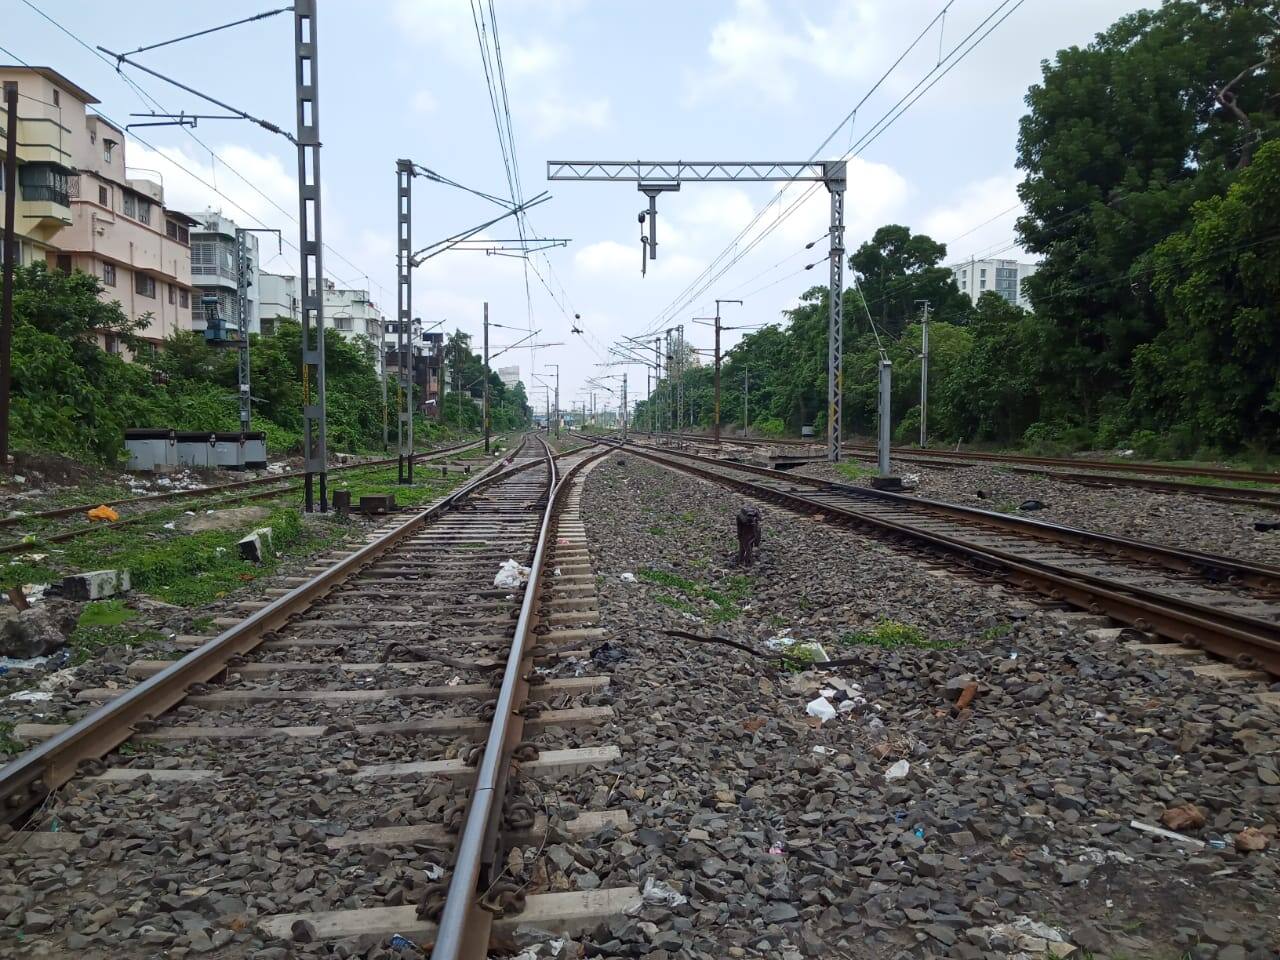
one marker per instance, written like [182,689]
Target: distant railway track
[395,653]
[276,485]
[1087,472]
[1222,605]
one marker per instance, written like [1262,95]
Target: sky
[586,80]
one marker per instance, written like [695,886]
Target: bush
[771,427]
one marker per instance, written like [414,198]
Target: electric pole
[486,376]
[404,322]
[557,366]
[746,384]
[310,250]
[924,375]
[715,424]
[10,258]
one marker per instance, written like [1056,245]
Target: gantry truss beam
[675,171]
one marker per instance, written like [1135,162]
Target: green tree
[896,269]
[1213,373]
[1121,139]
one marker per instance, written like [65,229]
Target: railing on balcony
[44,182]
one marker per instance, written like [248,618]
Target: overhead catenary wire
[955,55]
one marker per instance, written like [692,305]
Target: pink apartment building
[107,223]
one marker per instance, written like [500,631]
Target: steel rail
[1246,640]
[58,512]
[1212,566]
[916,454]
[464,928]
[45,767]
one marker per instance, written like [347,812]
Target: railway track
[1221,605]
[1092,472]
[275,486]
[367,746]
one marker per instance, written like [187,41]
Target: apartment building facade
[80,210]
[1005,277]
[215,275]
[277,300]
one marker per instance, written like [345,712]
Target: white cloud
[756,52]
[980,220]
[607,257]
[535,57]
[424,101]
[553,114]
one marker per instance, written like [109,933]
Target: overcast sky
[732,80]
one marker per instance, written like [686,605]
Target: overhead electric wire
[685,298]
[155,104]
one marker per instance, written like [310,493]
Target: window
[113,344]
[342,323]
[175,231]
[109,274]
[64,262]
[173,294]
[983,284]
[104,196]
[184,299]
[108,147]
[93,136]
[268,325]
[144,211]
[144,285]
[983,273]
[130,205]
[57,99]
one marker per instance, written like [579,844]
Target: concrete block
[257,545]
[96,584]
[379,503]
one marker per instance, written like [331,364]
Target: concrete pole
[746,386]
[716,423]
[624,406]
[924,378]
[886,375]
[10,258]
[486,376]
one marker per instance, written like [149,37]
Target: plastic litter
[1167,834]
[103,513]
[659,892]
[399,942]
[628,577]
[171,525]
[777,850]
[898,770]
[821,708]
[1031,505]
[511,574]
[31,695]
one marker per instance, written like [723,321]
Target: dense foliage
[73,398]
[1152,196]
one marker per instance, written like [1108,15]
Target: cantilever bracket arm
[448,243]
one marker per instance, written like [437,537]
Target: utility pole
[404,322]
[243,280]
[886,373]
[680,358]
[715,424]
[310,250]
[557,366]
[746,385]
[924,376]
[486,376]
[10,258]
[624,406]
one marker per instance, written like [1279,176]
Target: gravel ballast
[790,837]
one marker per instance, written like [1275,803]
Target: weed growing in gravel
[991,634]
[201,624]
[855,471]
[890,634]
[657,531]
[8,745]
[105,613]
[668,600]
[726,600]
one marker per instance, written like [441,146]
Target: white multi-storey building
[214,274]
[509,376]
[278,300]
[976,277]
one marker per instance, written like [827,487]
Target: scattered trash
[1265,526]
[33,557]
[555,572]
[171,525]
[1185,816]
[780,642]
[103,513]
[657,892]
[821,708]
[22,663]
[1031,505]
[399,942]
[31,695]
[1218,844]
[511,574]
[453,681]
[628,577]
[918,831]
[1026,936]
[980,494]
[1124,453]
[1167,834]
[898,770]
[911,480]
[777,850]
[822,751]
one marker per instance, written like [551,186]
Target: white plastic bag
[821,708]
[898,770]
[511,575]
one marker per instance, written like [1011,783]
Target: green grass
[726,601]
[201,624]
[855,471]
[891,635]
[8,745]
[675,603]
[994,633]
[657,531]
[105,613]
